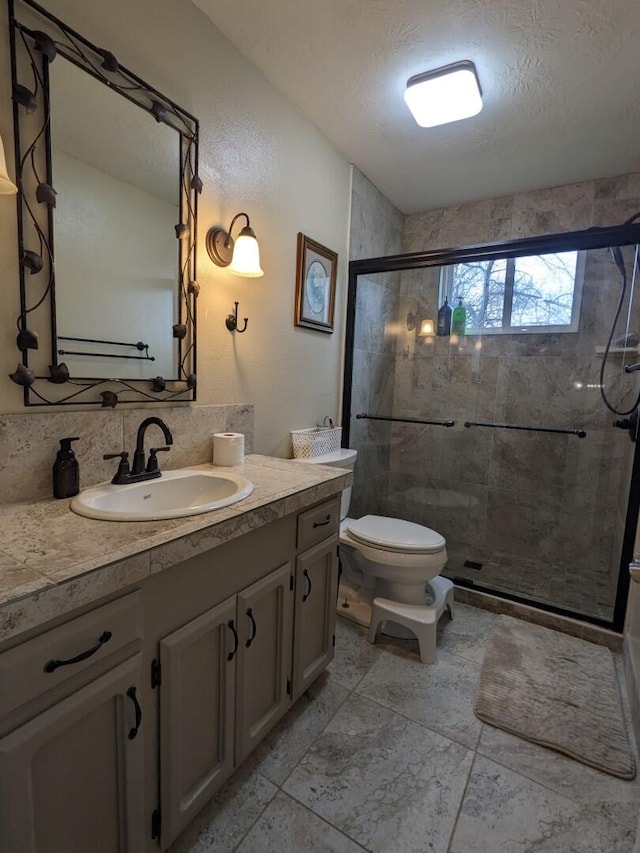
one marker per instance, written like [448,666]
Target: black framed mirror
[106,168]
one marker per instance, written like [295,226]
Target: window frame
[446,289]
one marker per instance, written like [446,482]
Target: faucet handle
[152,463]
[123,468]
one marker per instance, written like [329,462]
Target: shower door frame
[591,238]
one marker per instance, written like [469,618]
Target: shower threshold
[534,604]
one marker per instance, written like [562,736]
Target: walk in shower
[499,437]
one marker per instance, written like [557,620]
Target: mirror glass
[116,172]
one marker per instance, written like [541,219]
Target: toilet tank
[343,458]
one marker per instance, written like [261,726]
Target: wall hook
[232,321]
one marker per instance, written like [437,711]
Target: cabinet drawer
[38,665]
[318,523]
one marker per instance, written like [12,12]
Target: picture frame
[316,271]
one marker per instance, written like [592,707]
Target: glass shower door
[499,438]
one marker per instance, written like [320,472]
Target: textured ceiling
[560,79]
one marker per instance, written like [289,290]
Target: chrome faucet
[139,472]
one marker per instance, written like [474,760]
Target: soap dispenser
[459,318]
[444,319]
[66,471]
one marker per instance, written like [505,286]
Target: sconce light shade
[445,94]
[242,256]
[427,328]
[246,255]
[7,187]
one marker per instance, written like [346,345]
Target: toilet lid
[394,534]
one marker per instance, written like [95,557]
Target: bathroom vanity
[131,690]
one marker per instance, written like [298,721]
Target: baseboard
[632,681]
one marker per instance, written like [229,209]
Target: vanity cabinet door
[265,612]
[315,613]
[198,664]
[71,778]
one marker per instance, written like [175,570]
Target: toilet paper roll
[228,448]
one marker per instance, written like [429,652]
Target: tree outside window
[536,293]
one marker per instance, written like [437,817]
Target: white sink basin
[173,495]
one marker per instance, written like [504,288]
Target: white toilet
[392,560]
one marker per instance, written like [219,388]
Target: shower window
[535,293]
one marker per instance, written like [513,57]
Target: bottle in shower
[444,319]
[459,318]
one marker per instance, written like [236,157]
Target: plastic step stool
[420,619]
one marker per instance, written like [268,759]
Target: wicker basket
[308,443]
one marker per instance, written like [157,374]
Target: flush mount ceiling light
[445,94]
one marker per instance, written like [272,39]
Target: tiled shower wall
[376,231]
[29,442]
[544,514]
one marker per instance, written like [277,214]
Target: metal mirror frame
[36,49]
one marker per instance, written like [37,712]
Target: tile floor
[384,754]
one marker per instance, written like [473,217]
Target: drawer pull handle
[309,588]
[254,628]
[131,693]
[52,665]
[235,639]
[322,523]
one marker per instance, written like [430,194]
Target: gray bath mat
[557,691]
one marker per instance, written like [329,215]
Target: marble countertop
[52,560]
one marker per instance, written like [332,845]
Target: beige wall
[257,153]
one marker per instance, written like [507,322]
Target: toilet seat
[395,535]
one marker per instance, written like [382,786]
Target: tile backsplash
[29,442]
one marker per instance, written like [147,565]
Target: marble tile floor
[384,754]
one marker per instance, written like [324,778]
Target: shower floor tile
[582,592]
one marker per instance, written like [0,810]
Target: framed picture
[315,285]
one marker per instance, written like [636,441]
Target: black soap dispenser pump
[66,471]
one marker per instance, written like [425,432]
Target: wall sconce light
[427,328]
[7,187]
[242,256]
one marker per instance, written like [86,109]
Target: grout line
[261,813]
[522,774]
[313,742]
[418,723]
[324,820]
[349,694]
[462,799]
